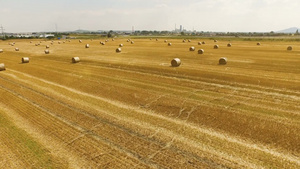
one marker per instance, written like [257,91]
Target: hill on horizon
[289,30]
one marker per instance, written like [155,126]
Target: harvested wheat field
[132,109]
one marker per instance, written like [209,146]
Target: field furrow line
[181,123]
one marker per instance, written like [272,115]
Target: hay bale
[169,44]
[215,41]
[25,60]
[156,39]
[229,45]
[203,42]
[118,50]
[258,43]
[106,40]
[1,50]
[47,51]
[216,46]
[112,39]
[58,42]
[121,45]
[189,40]
[200,51]
[289,48]
[199,43]
[103,43]
[192,48]
[47,46]
[165,41]
[128,40]
[150,38]
[36,44]
[132,42]
[223,61]
[30,41]
[87,46]
[2,66]
[16,49]
[80,41]
[176,62]
[183,40]
[75,59]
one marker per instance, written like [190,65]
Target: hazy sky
[200,15]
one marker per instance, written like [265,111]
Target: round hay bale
[289,48]
[199,43]
[216,46]
[64,41]
[51,43]
[25,60]
[165,41]
[58,42]
[215,41]
[106,40]
[156,39]
[258,43]
[132,42]
[1,50]
[189,40]
[47,46]
[47,51]
[176,62]
[203,42]
[75,59]
[223,61]
[150,38]
[103,43]
[87,46]
[118,50]
[112,39]
[30,41]
[183,40]
[121,45]
[169,44]
[16,49]
[192,48]
[128,40]
[200,51]
[80,41]
[2,66]
[36,44]
[229,45]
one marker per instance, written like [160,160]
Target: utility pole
[2,30]
[56,29]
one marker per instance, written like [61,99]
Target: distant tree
[297,32]
[110,34]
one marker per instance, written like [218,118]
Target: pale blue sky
[201,15]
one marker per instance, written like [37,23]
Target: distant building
[46,36]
